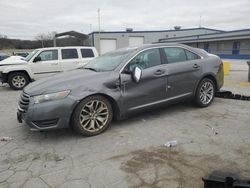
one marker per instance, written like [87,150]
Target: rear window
[69,54]
[175,54]
[87,53]
[191,55]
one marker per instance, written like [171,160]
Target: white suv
[44,62]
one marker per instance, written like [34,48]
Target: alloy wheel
[94,115]
[18,81]
[206,92]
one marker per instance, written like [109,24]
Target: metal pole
[54,41]
[99,21]
[42,42]
[99,28]
[90,28]
[200,23]
[248,62]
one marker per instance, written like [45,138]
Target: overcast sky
[27,18]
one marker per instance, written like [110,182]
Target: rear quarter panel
[212,66]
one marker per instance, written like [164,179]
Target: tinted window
[175,54]
[48,55]
[69,54]
[87,53]
[191,56]
[146,59]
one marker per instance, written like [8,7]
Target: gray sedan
[120,83]
[3,56]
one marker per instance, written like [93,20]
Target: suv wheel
[205,93]
[18,80]
[92,116]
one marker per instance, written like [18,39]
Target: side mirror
[37,59]
[136,75]
[126,71]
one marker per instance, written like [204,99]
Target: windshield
[31,55]
[108,62]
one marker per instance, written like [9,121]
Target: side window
[191,55]
[48,55]
[69,54]
[146,59]
[175,54]
[87,53]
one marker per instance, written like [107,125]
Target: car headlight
[51,96]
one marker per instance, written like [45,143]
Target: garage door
[107,45]
[136,41]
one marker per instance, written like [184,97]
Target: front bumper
[48,115]
[3,77]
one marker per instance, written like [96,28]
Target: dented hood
[13,60]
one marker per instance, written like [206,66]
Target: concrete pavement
[131,152]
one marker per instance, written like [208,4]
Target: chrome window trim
[158,48]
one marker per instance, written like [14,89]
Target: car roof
[159,45]
[145,46]
[65,47]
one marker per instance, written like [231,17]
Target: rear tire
[18,80]
[92,116]
[205,92]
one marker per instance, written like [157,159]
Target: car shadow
[155,112]
[69,133]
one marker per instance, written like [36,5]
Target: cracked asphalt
[131,153]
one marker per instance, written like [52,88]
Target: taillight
[221,64]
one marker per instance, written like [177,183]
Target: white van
[44,62]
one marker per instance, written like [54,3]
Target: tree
[46,40]
[40,38]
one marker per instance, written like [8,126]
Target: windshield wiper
[89,68]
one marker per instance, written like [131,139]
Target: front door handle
[124,82]
[54,63]
[159,72]
[196,66]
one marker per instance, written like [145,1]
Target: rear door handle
[196,66]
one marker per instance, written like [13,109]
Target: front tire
[92,116]
[18,80]
[205,93]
